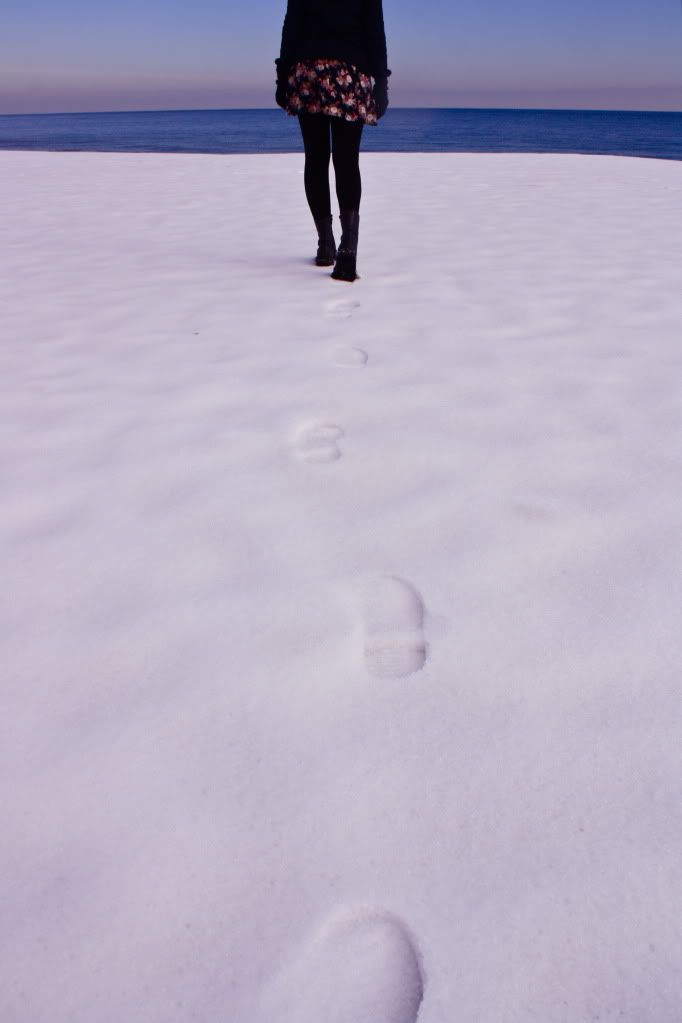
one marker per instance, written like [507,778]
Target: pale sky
[75,55]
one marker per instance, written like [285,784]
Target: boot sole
[341,277]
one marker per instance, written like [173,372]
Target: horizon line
[274,110]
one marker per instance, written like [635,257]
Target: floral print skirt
[331,87]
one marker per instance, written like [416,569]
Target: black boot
[326,246]
[348,248]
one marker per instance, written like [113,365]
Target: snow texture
[340,623]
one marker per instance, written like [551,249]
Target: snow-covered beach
[340,623]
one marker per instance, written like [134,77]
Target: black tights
[323,137]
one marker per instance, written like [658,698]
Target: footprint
[341,309]
[317,442]
[360,967]
[350,358]
[394,636]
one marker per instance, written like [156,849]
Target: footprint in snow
[394,634]
[360,967]
[318,442]
[341,309]
[350,358]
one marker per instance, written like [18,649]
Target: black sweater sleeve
[289,33]
[377,40]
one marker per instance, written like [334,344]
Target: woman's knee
[317,164]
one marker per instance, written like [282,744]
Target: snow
[340,623]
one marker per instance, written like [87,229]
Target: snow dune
[341,652]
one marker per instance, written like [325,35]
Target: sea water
[433,130]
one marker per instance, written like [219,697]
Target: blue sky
[67,55]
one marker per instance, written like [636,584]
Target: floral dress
[331,87]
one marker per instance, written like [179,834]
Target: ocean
[434,130]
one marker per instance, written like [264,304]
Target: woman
[331,51]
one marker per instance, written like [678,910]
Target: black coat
[350,30]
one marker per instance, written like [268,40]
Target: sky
[79,55]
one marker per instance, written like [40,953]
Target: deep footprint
[361,967]
[317,443]
[341,309]
[394,633]
[350,358]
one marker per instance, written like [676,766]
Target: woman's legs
[324,136]
[317,145]
[344,144]
[346,138]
